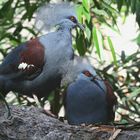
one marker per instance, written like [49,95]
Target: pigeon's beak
[97,83]
[81,26]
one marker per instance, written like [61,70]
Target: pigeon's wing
[25,61]
[111,100]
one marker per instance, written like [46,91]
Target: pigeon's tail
[1,69]
[2,87]
[1,83]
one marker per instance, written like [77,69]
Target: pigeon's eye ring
[73,19]
[87,73]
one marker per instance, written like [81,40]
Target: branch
[28,123]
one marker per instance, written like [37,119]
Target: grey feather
[72,68]
[50,15]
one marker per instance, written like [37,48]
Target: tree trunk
[29,123]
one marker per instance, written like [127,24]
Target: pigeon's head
[62,15]
[86,75]
[70,22]
[79,68]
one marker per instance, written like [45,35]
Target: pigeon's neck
[63,27]
[65,33]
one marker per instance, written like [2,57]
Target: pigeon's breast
[58,49]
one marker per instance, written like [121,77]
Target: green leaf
[31,11]
[109,8]
[88,33]
[100,12]
[119,4]
[123,56]
[87,15]
[97,40]
[6,7]
[7,12]
[85,4]
[130,57]
[81,43]
[79,10]
[135,93]
[138,13]
[112,50]
[18,29]
[27,4]
[133,6]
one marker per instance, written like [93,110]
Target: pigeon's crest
[75,67]
[51,14]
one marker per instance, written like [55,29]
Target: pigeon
[34,67]
[88,98]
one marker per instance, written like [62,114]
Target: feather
[74,67]
[50,15]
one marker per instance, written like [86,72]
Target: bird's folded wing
[25,61]
[111,100]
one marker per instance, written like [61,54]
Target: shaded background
[111,42]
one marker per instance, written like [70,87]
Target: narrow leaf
[112,50]
[85,3]
[79,10]
[133,6]
[135,93]
[81,44]
[97,40]
[119,4]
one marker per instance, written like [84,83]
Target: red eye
[87,73]
[73,19]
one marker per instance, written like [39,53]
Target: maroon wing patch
[32,58]
[111,100]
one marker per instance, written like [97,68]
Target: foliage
[15,15]
[16,26]
[130,6]
[104,12]
[126,83]
[93,14]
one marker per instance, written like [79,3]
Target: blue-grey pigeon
[34,66]
[88,98]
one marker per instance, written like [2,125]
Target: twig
[115,134]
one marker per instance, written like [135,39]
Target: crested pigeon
[88,99]
[34,66]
